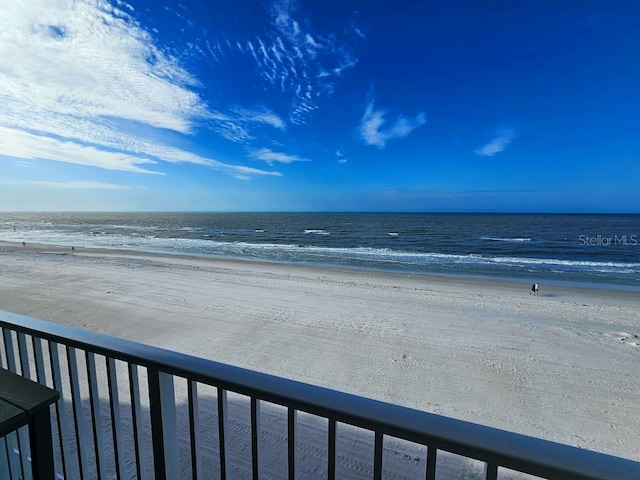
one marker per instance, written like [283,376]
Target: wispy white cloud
[261,116]
[68,185]
[340,156]
[293,58]
[312,41]
[237,124]
[269,156]
[90,59]
[497,145]
[374,131]
[246,173]
[25,164]
[359,33]
[75,75]
[435,194]
[339,69]
[20,144]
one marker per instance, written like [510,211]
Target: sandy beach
[562,365]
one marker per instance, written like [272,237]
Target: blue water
[573,249]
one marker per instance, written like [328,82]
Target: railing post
[194,428]
[94,399]
[136,415]
[291,440]
[39,360]
[24,356]
[8,350]
[76,403]
[23,438]
[222,426]
[490,471]
[432,455]
[331,450]
[255,436]
[162,407]
[116,429]
[56,378]
[41,442]
[14,442]
[5,441]
[377,456]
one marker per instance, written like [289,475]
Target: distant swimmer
[23,244]
[73,249]
[534,289]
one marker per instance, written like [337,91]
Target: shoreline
[560,365]
[471,280]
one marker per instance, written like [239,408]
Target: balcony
[129,410]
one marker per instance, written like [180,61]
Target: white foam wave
[316,231]
[568,263]
[501,239]
[297,252]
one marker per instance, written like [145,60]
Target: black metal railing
[106,426]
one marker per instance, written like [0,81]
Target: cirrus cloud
[68,185]
[373,130]
[76,75]
[269,156]
[497,145]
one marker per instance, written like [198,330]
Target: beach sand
[562,365]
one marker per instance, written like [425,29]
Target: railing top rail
[508,449]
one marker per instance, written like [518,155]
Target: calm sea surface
[591,249]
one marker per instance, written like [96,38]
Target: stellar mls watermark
[608,240]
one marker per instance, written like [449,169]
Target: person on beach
[534,289]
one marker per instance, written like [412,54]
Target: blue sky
[320,106]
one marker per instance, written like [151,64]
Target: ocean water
[601,250]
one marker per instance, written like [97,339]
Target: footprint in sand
[406,361]
[632,339]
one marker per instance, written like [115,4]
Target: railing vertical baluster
[194,427]
[23,433]
[255,436]
[5,440]
[292,415]
[116,428]
[331,452]
[24,450]
[94,399]
[8,350]
[491,471]
[2,349]
[76,403]
[222,424]
[60,410]
[163,424]
[136,414]
[377,456]
[24,356]
[432,453]
[39,360]
[38,355]
[13,439]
